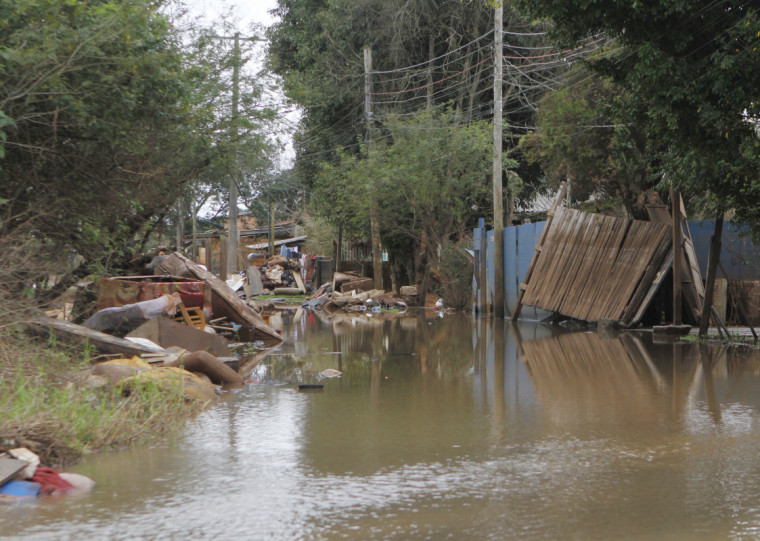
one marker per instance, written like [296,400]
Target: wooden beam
[675,198]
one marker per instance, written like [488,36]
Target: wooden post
[194,249]
[675,199]
[712,266]
[208,244]
[498,200]
[271,226]
[339,254]
[483,268]
[224,246]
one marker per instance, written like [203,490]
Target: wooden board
[9,467]
[591,267]
[299,280]
[167,333]
[100,340]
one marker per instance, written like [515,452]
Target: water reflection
[442,428]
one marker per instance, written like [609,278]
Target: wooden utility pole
[374,222]
[339,251]
[498,204]
[194,249]
[675,199]
[431,56]
[233,247]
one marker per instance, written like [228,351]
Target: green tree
[428,179]
[585,133]
[689,69]
[100,131]
[106,115]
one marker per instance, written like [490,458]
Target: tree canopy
[688,70]
[108,110]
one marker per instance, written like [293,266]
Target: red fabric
[51,482]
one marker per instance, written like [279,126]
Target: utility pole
[374,223]
[498,204]
[271,225]
[180,225]
[234,243]
[431,56]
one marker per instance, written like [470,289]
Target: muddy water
[444,429]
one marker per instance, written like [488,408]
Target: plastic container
[21,489]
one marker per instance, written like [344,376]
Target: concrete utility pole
[374,223]
[180,225]
[234,244]
[498,204]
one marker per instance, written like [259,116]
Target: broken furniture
[224,301]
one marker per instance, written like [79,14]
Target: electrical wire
[406,68]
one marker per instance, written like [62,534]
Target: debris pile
[335,296]
[22,478]
[282,276]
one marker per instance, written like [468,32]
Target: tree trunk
[712,266]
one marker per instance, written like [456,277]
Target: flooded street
[444,428]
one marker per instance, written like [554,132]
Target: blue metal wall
[739,256]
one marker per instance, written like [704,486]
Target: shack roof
[283,242]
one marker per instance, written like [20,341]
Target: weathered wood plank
[559,261]
[650,273]
[605,270]
[225,302]
[100,340]
[589,266]
[541,242]
[9,467]
[595,274]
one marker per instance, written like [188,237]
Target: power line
[433,59]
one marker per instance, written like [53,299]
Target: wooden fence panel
[591,266]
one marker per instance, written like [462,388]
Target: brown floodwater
[444,428]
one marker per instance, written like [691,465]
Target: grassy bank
[50,405]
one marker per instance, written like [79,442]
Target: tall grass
[47,406]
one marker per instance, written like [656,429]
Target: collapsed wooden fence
[593,267]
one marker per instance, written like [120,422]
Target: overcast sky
[245,11]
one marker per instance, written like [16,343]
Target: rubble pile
[375,300]
[23,478]
[280,273]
